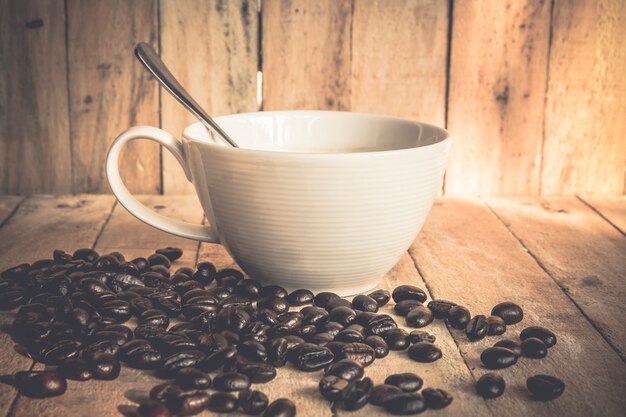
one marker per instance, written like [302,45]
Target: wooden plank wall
[532,90]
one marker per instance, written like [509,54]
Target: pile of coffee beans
[207,329]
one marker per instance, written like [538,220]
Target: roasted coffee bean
[307,331]
[153,318]
[300,297]
[222,402]
[420,316]
[293,341]
[248,288]
[338,302]
[408,292]
[105,366]
[314,315]
[356,394]
[153,409]
[545,335]
[396,339]
[406,403]
[381,323]
[123,281]
[291,320]
[365,303]
[545,387]
[140,354]
[440,308]
[436,398]
[405,306]
[510,312]
[169,306]
[498,358]
[417,336]
[253,350]
[346,369]
[534,348]
[331,327]
[281,407]
[205,273]
[273,291]
[424,352]
[322,338]
[476,328]
[141,264]
[228,278]
[407,382]
[231,381]
[336,348]
[323,298]
[490,385]
[101,346]
[342,315]
[496,326]
[88,255]
[172,253]
[148,332]
[258,373]
[217,359]
[359,352]
[165,390]
[232,318]
[512,345]
[381,297]
[59,351]
[179,360]
[235,300]
[363,317]
[332,386]
[75,369]
[310,357]
[253,402]
[383,393]
[378,344]
[349,335]
[458,317]
[170,343]
[277,304]
[117,311]
[191,378]
[42,384]
[187,403]
[277,352]
[119,328]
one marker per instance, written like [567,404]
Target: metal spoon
[153,63]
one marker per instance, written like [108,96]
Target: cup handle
[137,209]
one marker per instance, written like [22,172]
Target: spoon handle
[153,63]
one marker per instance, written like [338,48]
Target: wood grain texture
[613,209]
[212,48]
[399,58]
[580,250]
[110,91]
[8,204]
[39,226]
[467,255]
[496,99]
[584,149]
[35,149]
[306,54]
[133,238]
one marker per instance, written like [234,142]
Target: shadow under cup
[327,201]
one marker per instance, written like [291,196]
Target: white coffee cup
[322,200]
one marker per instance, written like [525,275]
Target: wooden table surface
[562,259]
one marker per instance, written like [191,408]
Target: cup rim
[187,134]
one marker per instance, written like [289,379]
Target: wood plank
[35,149]
[306,54]
[399,58]
[496,100]
[580,250]
[449,373]
[8,204]
[110,91]
[40,225]
[212,48]
[584,123]
[134,238]
[613,209]
[467,255]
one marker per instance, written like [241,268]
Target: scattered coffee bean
[534,348]
[419,316]
[436,398]
[378,344]
[309,357]
[322,299]
[396,339]
[171,253]
[356,394]
[332,386]
[496,326]
[75,369]
[231,381]
[383,393]
[258,373]
[40,384]
[440,308]
[300,297]
[406,403]
[382,297]
[191,378]
[424,352]
[498,358]
[346,369]
[365,303]
[458,317]
[490,385]
[405,306]
[545,387]
[476,328]
[541,333]
[222,402]
[408,292]
[407,382]
[513,345]
[105,366]
[359,352]
[281,407]
[253,402]
[510,312]
[417,336]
